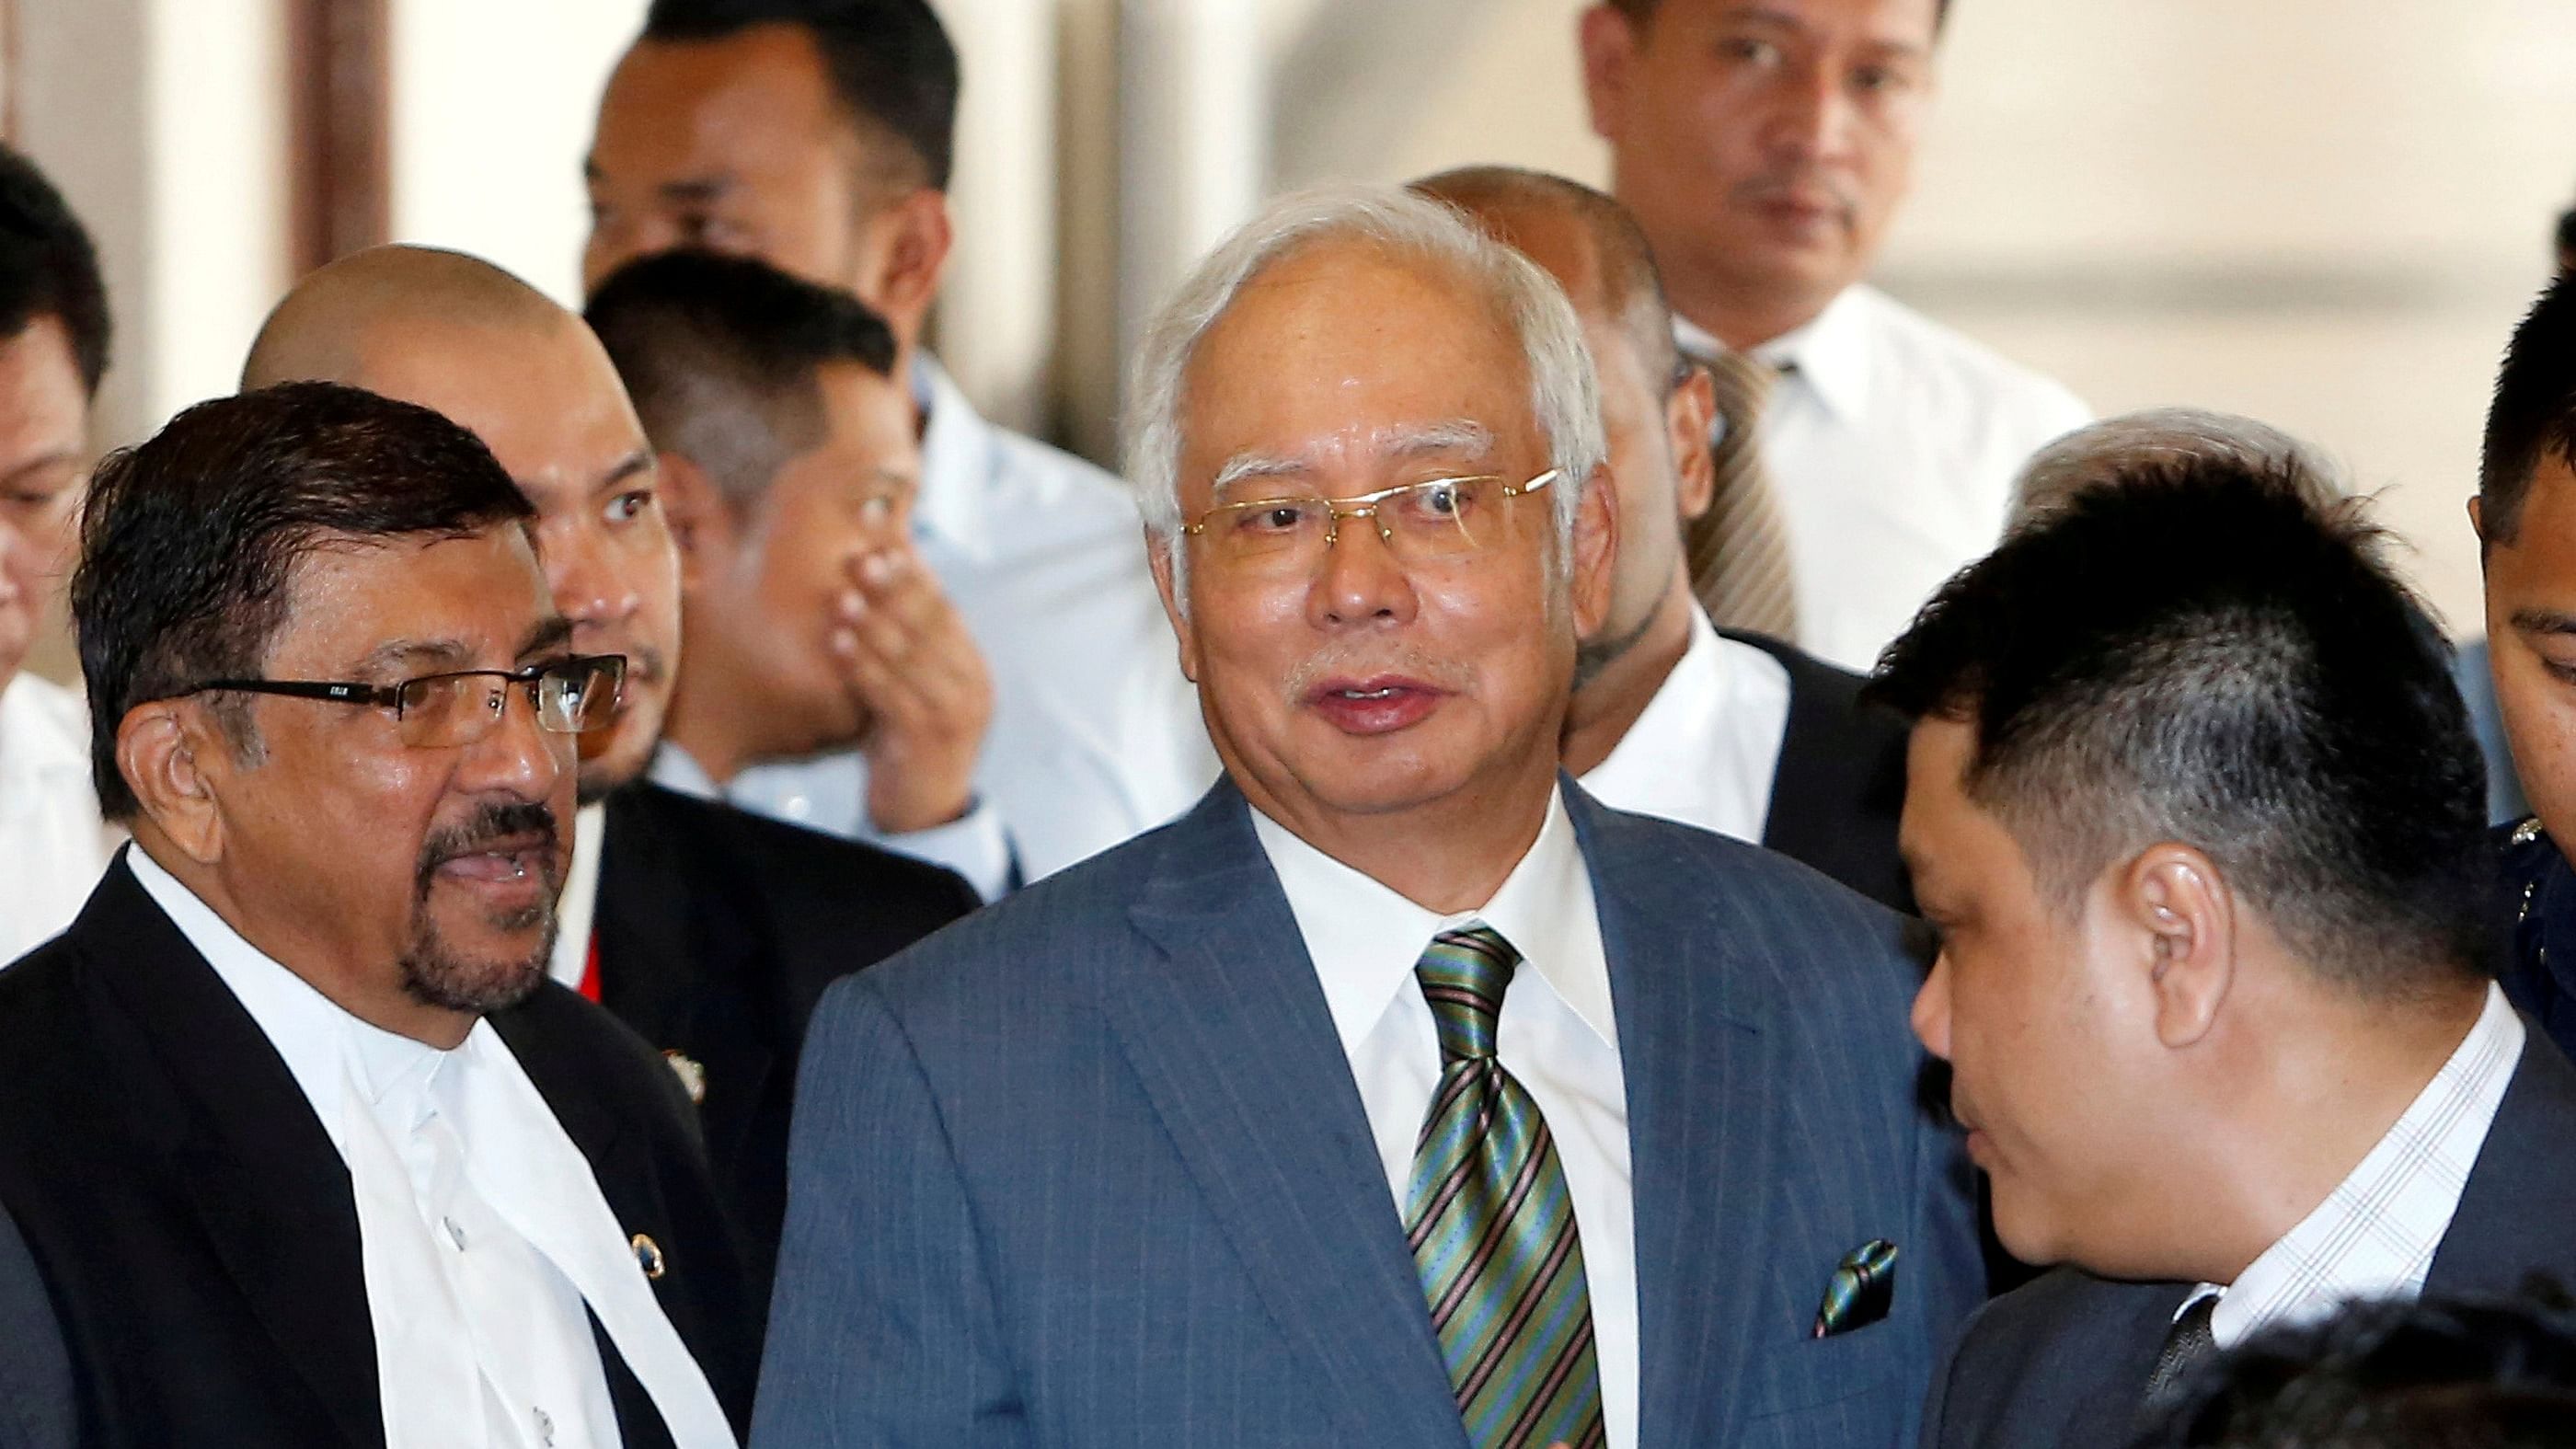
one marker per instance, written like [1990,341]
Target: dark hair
[2470,1374]
[706,342]
[189,540]
[2534,412]
[890,62]
[1641,12]
[48,268]
[2197,653]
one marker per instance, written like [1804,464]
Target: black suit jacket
[1840,784]
[718,930]
[2064,1361]
[194,1226]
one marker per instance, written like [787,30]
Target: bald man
[1732,732]
[708,930]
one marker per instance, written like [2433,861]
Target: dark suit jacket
[1840,784]
[194,1225]
[1091,1168]
[35,1374]
[2064,1361]
[718,930]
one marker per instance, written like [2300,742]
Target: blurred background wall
[2323,214]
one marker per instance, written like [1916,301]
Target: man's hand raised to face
[906,656]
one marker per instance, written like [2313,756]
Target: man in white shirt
[2196,812]
[1196,1142]
[53,348]
[819,139]
[1765,148]
[709,930]
[1731,732]
[308,1148]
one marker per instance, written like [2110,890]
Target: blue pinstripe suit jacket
[1090,1169]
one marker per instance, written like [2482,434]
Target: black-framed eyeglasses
[441,711]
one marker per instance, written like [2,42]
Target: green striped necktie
[1491,1224]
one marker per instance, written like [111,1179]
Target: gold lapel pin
[648,1255]
[692,1076]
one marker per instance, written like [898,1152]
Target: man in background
[788,465]
[1735,733]
[53,349]
[1865,451]
[708,930]
[2193,804]
[818,137]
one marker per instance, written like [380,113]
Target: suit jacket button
[648,1255]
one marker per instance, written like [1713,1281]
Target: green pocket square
[1861,1290]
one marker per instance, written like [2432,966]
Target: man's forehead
[551,410]
[699,102]
[473,600]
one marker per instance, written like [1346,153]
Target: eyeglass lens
[573,697]
[1442,518]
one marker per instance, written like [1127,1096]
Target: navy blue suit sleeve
[35,1372]
[882,1332]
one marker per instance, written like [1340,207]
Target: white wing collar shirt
[2375,1235]
[1892,441]
[51,839]
[1707,747]
[1556,1034]
[486,1244]
[1096,734]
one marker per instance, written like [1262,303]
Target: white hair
[2110,450]
[1564,395]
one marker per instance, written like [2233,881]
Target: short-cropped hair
[48,267]
[2533,415]
[190,540]
[2487,1373]
[2200,655]
[722,357]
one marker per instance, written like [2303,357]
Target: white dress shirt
[1707,747]
[1556,1034]
[1893,442]
[483,1233]
[830,793]
[1096,734]
[2375,1235]
[577,909]
[53,847]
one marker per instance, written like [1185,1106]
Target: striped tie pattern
[1491,1224]
[1739,549]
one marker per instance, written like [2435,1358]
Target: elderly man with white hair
[1399,1093]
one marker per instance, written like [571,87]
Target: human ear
[905,265]
[1158,557]
[1608,40]
[173,755]
[702,523]
[1596,551]
[2180,908]
[1689,416]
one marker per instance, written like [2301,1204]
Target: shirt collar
[1365,939]
[956,462]
[1830,356]
[2376,1233]
[311,1032]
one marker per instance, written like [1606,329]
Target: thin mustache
[1367,660]
[1763,188]
[493,822]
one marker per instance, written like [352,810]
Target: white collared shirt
[51,838]
[577,909]
[1707,747]
[830,793]
[1556,1033]
[2375,1235]
[478,1222]
[1893,442]
[1096,735]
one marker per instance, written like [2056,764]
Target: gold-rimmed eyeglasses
[1434,521]
[441,711]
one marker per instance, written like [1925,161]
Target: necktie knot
[1464,974]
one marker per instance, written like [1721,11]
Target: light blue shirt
[1096,734]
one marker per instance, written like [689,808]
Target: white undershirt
[1556,1034]
[477,1219]
[1707,747]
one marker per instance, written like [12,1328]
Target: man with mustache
[305,1144]
[1399,1093]
[1866,451]
[709,930]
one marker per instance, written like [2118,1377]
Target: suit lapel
[265,1181]
[1230,1035]
[1701,1130]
